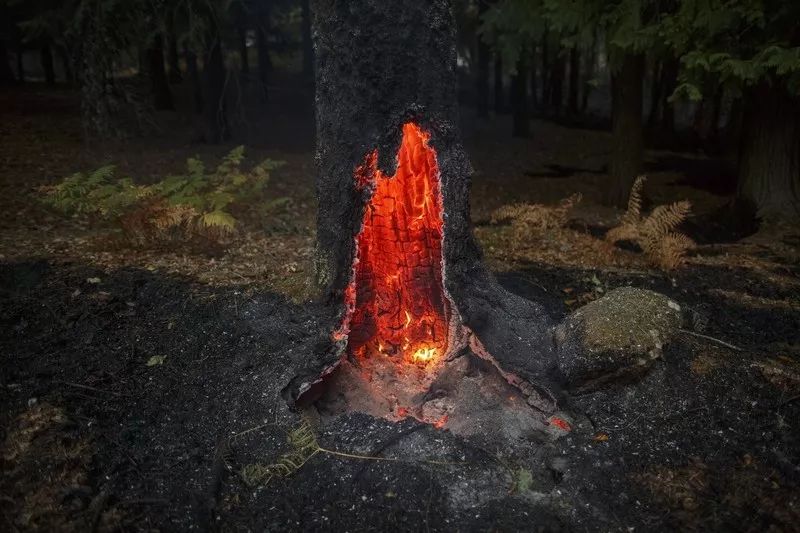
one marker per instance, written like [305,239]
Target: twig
[708,338]
[87,387]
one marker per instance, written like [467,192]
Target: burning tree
[396,259]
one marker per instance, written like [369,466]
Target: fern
[528,219]
[656,234]
[197,202]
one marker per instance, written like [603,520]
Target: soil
[142,389]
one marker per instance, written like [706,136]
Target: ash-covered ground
[137,400]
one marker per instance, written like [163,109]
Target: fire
[398,306]
[424,355]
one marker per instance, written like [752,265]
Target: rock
[615,338]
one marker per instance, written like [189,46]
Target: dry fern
[528,219]
[302,447]
[657,233]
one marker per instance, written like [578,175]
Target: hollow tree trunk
[162,95]
[519,83]
[574,76]
[379,93]
[627,151]
[769,161]
[214,108]
[308,44]
[46,55]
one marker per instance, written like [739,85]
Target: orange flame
[399,304]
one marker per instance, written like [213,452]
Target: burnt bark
[499,95]
[162,95]
[482,74]
[48,67]
[627,150]
[370,80]
[769,162]
[519,88]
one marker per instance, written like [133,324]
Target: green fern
[195,202]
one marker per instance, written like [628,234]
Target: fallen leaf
[93,281]
[156,360]
[601,437]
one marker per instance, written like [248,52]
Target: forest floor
[136,383]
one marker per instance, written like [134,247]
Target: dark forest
[419,265]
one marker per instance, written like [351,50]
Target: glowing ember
[424,355]
[398,305]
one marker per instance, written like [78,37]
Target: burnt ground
[137,386]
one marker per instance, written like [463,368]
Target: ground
[140,386]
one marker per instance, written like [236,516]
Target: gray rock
[615,338]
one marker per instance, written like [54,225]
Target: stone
[615,338]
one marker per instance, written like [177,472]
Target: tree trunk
[175,75]
[627,150]
[364,120]
[162,95]
[534,79]
[214,108]
[499,96]
[557,83]
[669,82]
[519,101]
[262,43]
[588,73]
[482,75]
[6,74]
[654,116]
[574,77]
[66,64]
[194,76]
[46,55]
[308,45]
[546,87]
[769,161]
[244,60]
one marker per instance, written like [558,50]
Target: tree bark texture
[380,65]
[769,161]
[627,150]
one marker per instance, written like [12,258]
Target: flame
[397,302]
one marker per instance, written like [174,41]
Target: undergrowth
[656,234]
[198,203]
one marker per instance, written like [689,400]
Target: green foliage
[197,202]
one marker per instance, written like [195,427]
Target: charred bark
[370,81]
[627,150]
[769,163]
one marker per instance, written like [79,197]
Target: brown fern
[657,233]
[531,219]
